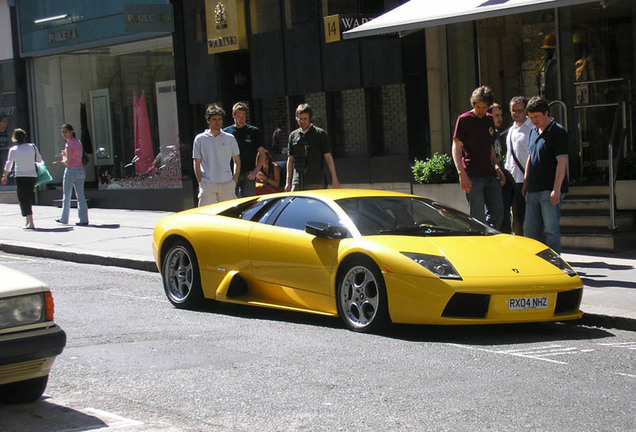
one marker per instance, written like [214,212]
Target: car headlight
[23,310]
[555,259]
[437,265]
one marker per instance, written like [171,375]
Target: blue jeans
[542,219]
[486,193]
[74,179]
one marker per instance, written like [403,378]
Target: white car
[29,338]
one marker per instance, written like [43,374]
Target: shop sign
[142,18]
[62,35]
[225,24]
[335,25]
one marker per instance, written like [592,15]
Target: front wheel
[361,297]
[23,391]
[181,278]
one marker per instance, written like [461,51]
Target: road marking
[626,374]
[111,420]
[628,345]
[535,353]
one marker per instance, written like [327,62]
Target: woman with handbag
[23,156]
[74,176]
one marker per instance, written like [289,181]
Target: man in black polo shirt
[309,152]
[545,182]
[250,142]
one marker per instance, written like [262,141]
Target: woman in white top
[23,156]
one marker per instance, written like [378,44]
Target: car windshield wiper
[416,230]
[430,230]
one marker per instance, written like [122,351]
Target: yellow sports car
[370,257]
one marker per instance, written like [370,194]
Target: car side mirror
[326,231]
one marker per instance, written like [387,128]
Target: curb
[607,321]
[82,258]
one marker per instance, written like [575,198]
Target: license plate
[520,303]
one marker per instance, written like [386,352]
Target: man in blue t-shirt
[474,155]
[545,182]
[250,142]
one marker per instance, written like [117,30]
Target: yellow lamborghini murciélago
[371,257]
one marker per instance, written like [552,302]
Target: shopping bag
[43,174]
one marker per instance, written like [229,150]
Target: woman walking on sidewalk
[24,155]
[74,176]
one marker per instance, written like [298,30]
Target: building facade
[134,78]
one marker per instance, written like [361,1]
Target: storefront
[107,68]
[578,54]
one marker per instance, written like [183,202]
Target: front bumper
[29,354]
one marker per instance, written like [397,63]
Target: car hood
[17,283]
[479,256]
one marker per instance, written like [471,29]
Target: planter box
[625,194]
[450,194]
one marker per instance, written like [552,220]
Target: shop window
[265,16]
[121,101]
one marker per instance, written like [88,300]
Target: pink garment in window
[143,144]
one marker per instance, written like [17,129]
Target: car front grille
[464,305]
[568,302]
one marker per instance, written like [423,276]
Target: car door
[283,253]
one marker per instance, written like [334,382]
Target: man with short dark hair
[250,142]
[545,182]
[212,151]
[309,151]
[474,155]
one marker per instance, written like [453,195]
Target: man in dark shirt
[545,182]
[474,155]
[250,142]
[309,151]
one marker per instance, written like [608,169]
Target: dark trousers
[26,196]
[518,209]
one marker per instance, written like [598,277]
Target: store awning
[418,14]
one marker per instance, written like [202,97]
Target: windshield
[409,216]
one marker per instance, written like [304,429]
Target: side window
[302,210]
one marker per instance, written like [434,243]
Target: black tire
[361,296]
[181,277]
[23,391]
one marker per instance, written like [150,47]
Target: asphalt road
[134,363]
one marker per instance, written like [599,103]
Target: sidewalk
[123,238]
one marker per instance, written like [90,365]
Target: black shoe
[58,220]
[81,223]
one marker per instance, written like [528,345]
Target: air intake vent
[463,305]
[568,302]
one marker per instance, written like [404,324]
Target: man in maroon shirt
[474,155]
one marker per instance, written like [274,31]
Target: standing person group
[536,159]
[74,177]
[22,157]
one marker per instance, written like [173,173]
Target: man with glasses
[212,151]
[309,151]
[516,157]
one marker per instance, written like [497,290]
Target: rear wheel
[361,296]
[181,278]
[23,391]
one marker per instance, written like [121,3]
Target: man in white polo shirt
[211,154]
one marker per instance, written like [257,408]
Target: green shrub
[436,169]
